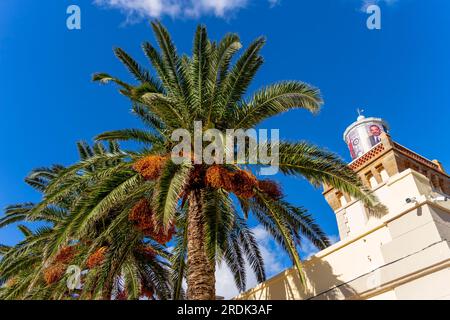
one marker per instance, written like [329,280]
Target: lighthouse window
[371,180]
[342,199]
[441,185]
[383,173]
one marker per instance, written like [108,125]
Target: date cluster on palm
[66,254]
[147,292]
[270,188]
[96,258]
[147,252]
[55,271]
[122,295]
[150,167]
[11,282]
[144,220]
[241,182]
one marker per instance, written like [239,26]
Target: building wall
[404,254]
[434,286]
[376,168]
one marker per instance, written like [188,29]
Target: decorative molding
[369,155]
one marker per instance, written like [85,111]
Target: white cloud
[225,285]
[272,256]
[271,253]
[334,238]
[308,249]
[274,3]
[138,9]
[367,3]
[217,7]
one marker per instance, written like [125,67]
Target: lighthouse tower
[401,254]
[379,161]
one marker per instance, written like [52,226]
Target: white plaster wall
[435,286]
[403,255]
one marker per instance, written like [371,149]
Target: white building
[404,254]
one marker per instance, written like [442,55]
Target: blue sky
[47,101]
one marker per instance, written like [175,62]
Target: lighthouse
[403,253]
[379,161]
[364,134]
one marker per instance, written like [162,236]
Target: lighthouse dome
[363,134]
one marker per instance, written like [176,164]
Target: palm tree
[205,205]
[208,87]
[26,274]
[34,268]
[118,261]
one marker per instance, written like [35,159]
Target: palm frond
[276,99]
[170,186]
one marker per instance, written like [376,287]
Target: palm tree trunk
[107,290]
[201,279]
